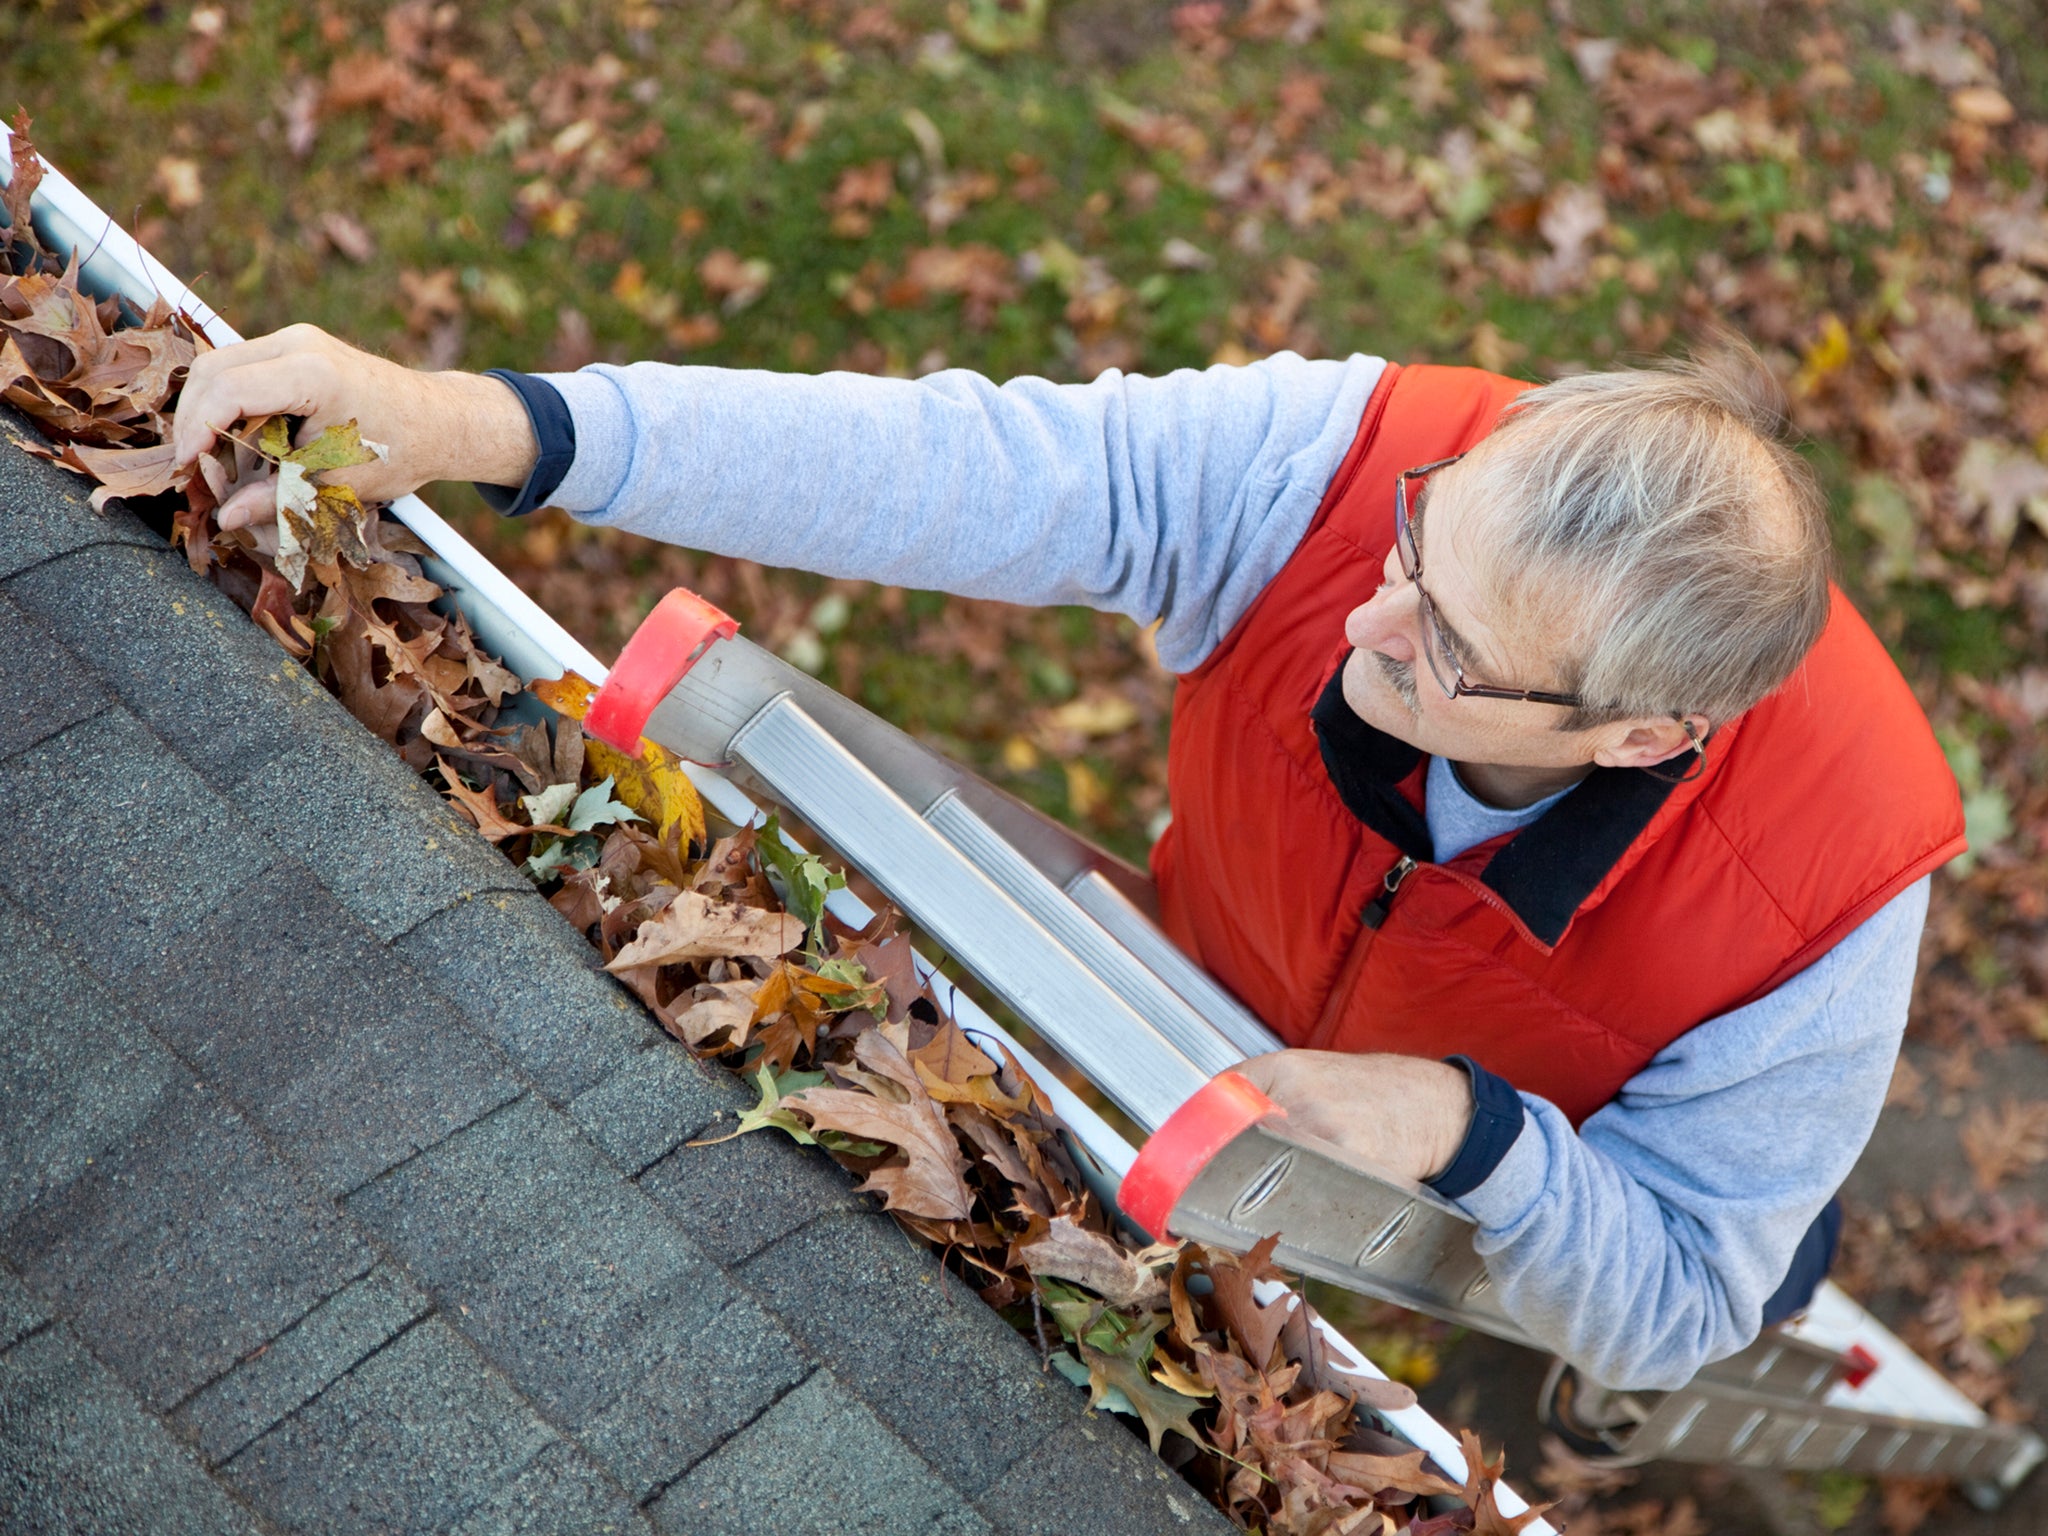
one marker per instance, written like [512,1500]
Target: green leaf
[550,861]
[595,808]
[1111,1399]
[338,447]
[804,879]
[769,1113]
[551,804]
[1124,1370]
[275,440]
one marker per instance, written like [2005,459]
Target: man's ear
[1648,741]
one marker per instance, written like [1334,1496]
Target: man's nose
[1385,622]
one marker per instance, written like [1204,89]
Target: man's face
[1387,678]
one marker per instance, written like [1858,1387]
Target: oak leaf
[25,176]
[714,1006]
[694,927]
[1256,1328]
[1069,1251]
[1404,1473]
[931,1181]
[1124,1369]
[480,805]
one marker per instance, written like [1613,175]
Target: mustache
[1400,676]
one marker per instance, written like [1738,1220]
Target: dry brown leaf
[714,1006]
[1404,1473]
[479,805]
[25,176]
[1256,1328]
[1069,1251]
[2002,1145]
[694,927]
[932,1180]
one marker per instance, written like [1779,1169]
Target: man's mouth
[1400,676]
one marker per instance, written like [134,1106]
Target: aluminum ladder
[1058,930]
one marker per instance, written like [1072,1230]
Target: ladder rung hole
[1896,1444]
[1685,1424]
[1387,1236]
[1265,1186]
[1748,1431]
[1933,1452]
[1849,1443]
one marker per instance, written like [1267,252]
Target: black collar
[1547,870]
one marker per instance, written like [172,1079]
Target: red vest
[1563,957]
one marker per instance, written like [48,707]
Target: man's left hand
[1405,1114]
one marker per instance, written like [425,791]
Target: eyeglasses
[1436,642]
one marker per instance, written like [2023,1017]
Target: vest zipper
[1370,921]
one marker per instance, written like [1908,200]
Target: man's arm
[1645,1245]
[1175,498]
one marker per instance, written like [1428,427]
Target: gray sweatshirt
[1639,1247]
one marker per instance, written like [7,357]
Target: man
[1524,776]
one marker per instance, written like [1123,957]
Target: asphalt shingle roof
[341,1192]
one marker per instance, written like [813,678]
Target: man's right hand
[437,426]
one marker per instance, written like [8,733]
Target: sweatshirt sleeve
[1174,498]
[1645,1245]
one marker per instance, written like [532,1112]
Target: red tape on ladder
[1180,1149]
[664,647]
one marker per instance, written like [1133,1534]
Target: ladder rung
[1158,1004]
[1094,893]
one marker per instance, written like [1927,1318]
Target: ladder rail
[852,809]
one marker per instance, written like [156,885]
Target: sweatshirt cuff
[603,426]
[555,432]
[1497,1118]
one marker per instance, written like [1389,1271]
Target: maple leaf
[1069,1251]
[932,1179]
[694,927]
[595,808]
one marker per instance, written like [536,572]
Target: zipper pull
[1376,910]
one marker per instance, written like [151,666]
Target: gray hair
[1660,521]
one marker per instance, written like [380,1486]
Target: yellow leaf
[1828,354]
[654,783]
